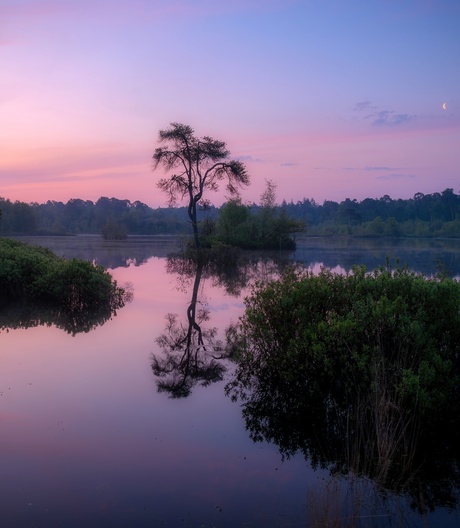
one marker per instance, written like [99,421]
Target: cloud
[363,106]
[390,175]
[289,164]
[396,176]
[249,159]
[381,117]
[370,168]
[43,176]
[390,118]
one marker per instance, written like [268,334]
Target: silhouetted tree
[200,164]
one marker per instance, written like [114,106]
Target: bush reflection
[309,381]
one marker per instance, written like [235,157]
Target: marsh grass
[354,502]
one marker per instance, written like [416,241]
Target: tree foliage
[197,165]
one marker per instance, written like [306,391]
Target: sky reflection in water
[86,439]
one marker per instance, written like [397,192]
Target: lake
[93,436]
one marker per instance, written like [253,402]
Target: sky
[329,99]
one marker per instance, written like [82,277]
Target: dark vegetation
[430,215]
[112,230]
[269,228]
[424,215]
[37,287]
[87,217]
[360,373]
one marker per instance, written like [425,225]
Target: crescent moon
[444,106]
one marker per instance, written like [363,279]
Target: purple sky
[329,99]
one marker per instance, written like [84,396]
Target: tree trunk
[194,221]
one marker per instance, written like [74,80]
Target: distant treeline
[84,216]
[424,215]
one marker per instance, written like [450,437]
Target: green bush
[356,371]
[359,372]
[32,277]
[338,328]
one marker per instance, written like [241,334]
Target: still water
[87,439]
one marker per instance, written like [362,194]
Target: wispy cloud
[378,117]
[396,176]
[378,168]
[390,118]
[364,106]
[249,159]
[370,168]
[289,164]
[388,173]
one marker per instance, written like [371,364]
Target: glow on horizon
[330,100]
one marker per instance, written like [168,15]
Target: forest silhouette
[423,215]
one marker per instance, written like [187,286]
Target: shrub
[76,290]
[353,370]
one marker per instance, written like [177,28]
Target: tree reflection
[190,353]
[229,268]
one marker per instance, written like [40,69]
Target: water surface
[87,439]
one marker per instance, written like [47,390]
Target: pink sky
[329,99]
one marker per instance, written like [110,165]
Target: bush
[338,327]
[33,277]
[354,370]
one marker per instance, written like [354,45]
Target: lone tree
[198,164]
